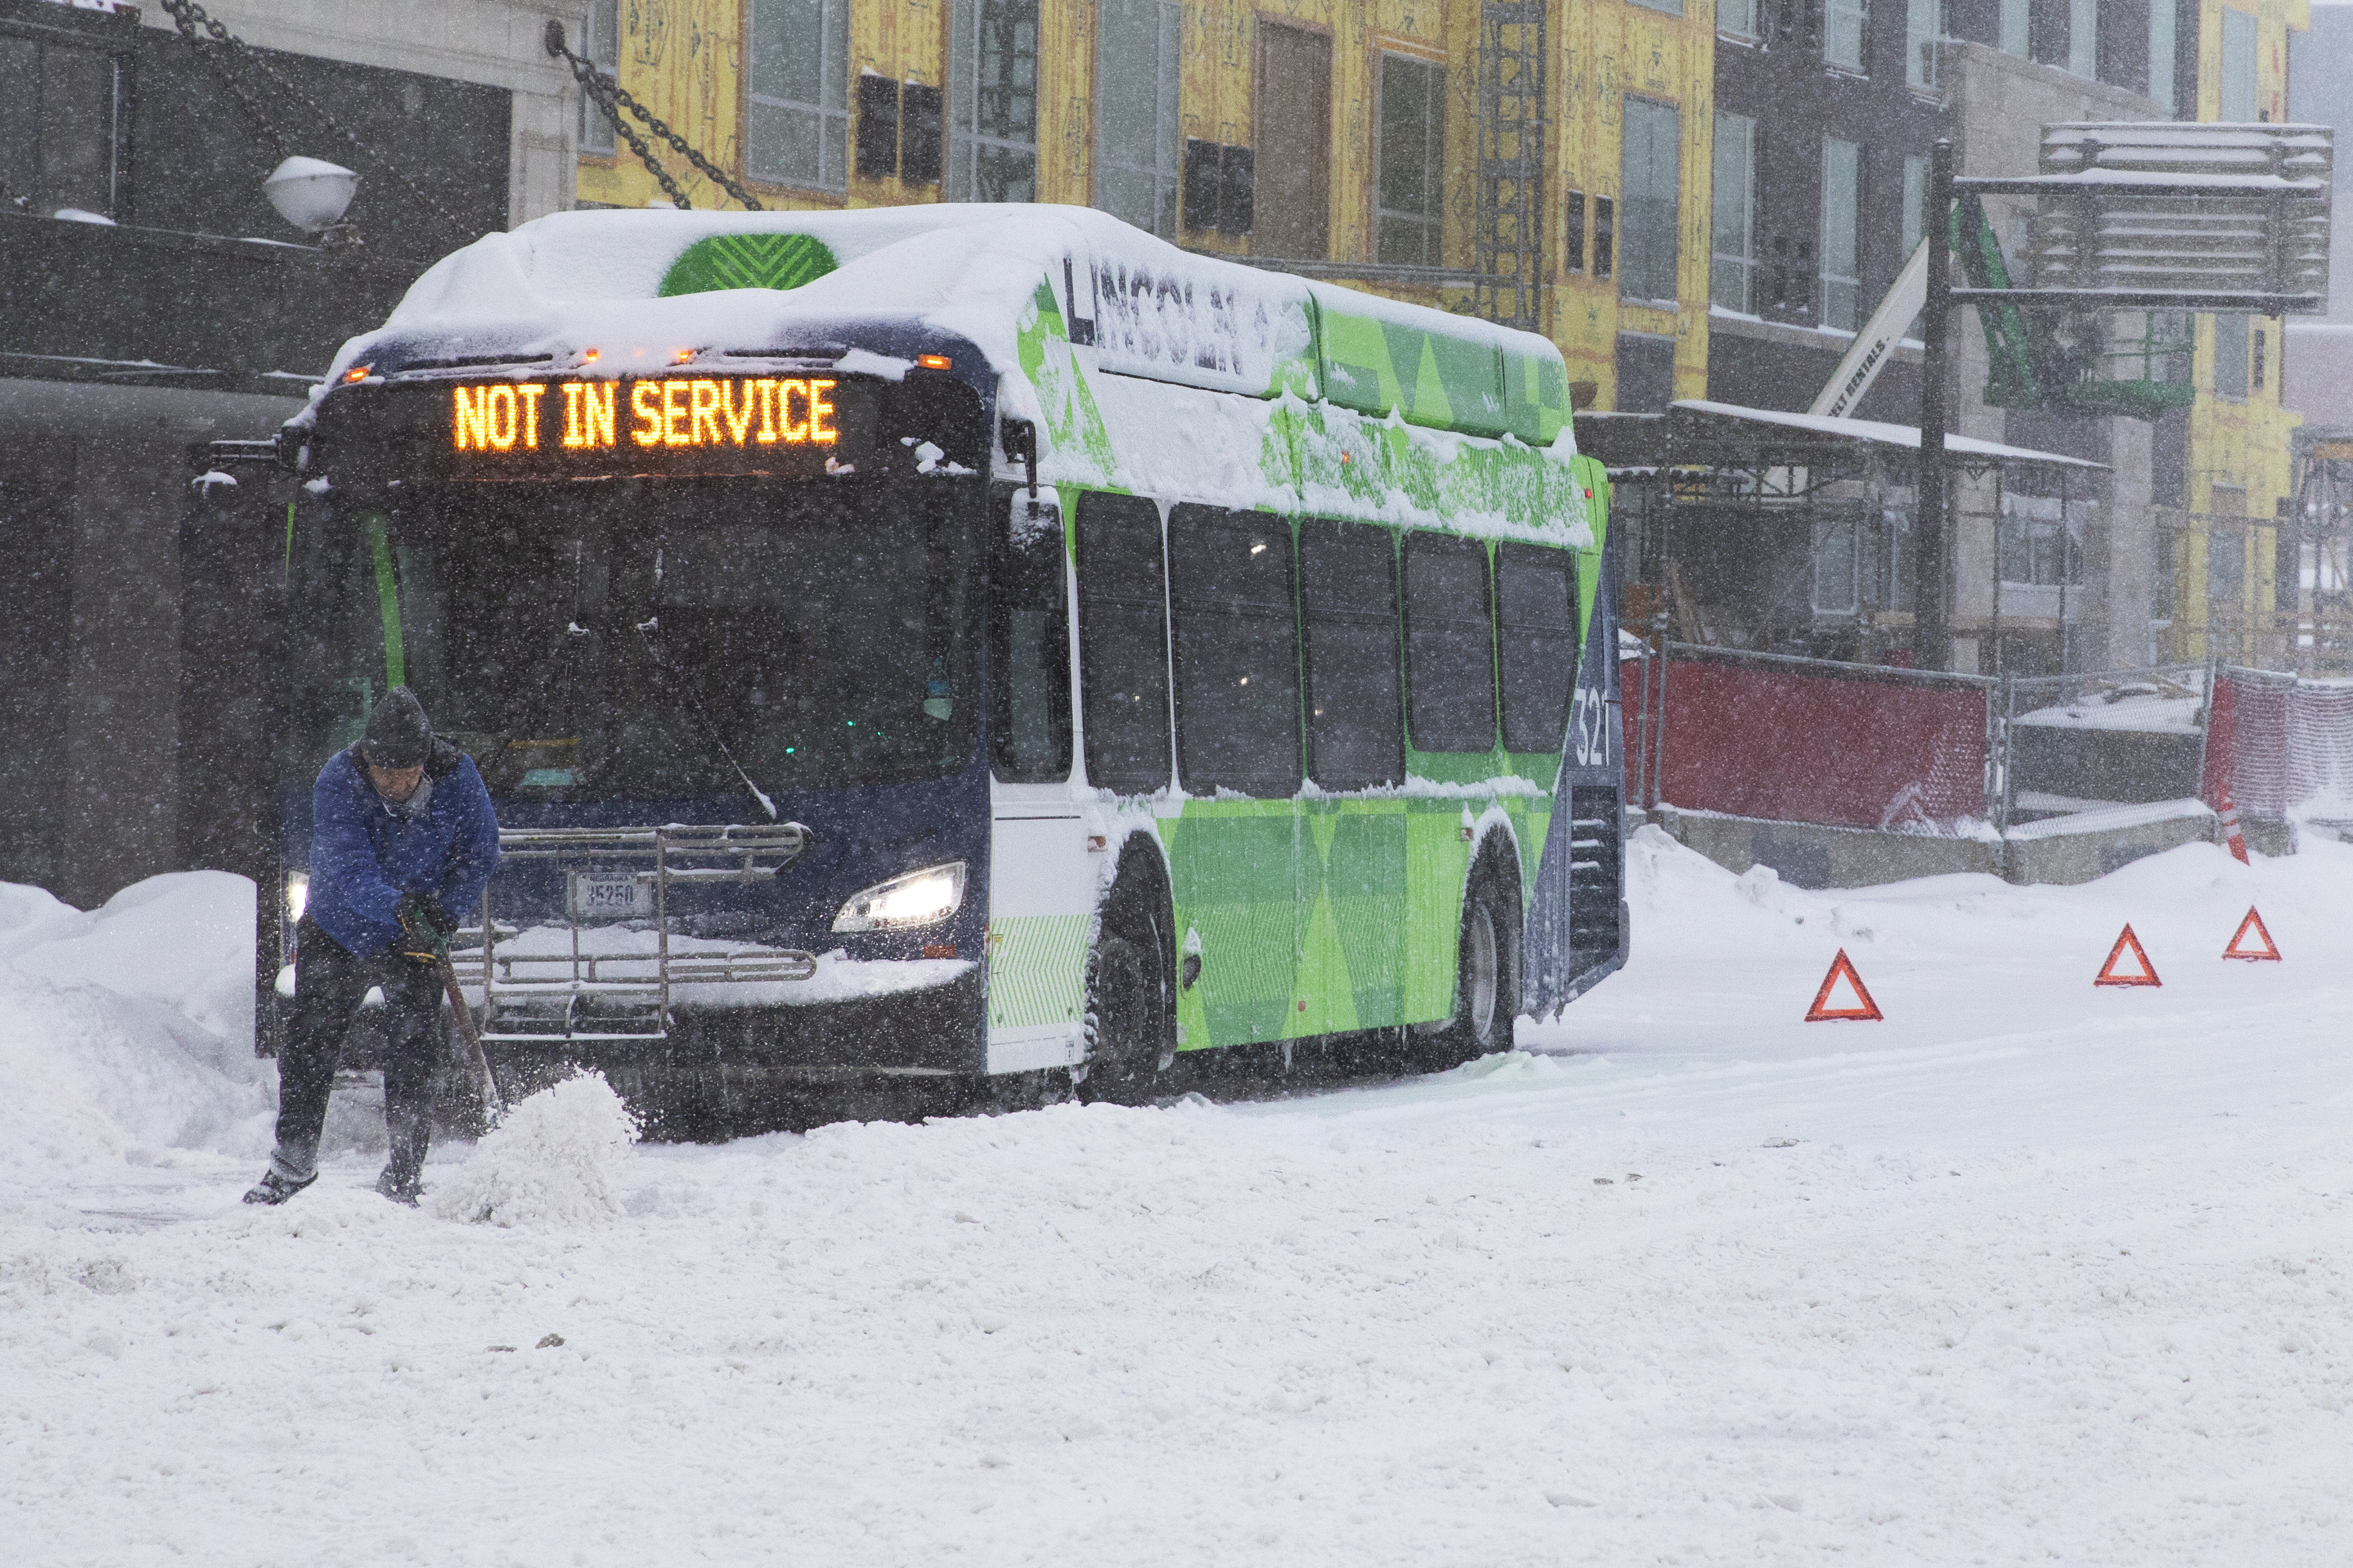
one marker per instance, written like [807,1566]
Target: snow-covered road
[2028,1272]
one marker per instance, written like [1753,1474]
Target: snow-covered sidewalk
[2030,1273]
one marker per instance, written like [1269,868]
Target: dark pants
[329,984]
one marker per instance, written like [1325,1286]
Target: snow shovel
[494,1103]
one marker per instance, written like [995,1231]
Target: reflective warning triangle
[2144,975]
[2254,922]
[1862,1006]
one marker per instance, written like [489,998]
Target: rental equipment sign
[657,424]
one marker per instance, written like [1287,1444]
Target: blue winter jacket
[364,853]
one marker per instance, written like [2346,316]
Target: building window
[1291,122]
[1650,185]
[2226,552]
[1737,19]
[797,120]
[1604,237]
[1916,202]
[2083,38]
[1413,123]
[2238,67]
[2230,357]
[1646,372]
[1924,24]
[59,127]
[1572,239]
[600,44]
[2017,27]
[1842,281]
[993,101]
[1837,562]
[1136,112]
[1844,24]
[2038,547]
[1672,7]
[2162,36]
[1732,265]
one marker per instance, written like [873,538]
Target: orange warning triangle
[1843,967]
[2254,922]
[2127,943]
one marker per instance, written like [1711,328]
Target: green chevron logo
[748,261]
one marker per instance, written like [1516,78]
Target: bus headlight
[917,899]
[298,895]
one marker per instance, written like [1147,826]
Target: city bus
[970,642]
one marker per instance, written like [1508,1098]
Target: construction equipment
[2063,359]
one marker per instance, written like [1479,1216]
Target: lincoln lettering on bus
[668,412]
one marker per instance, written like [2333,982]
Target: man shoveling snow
[402,833]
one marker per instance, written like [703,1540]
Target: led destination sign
[666,424]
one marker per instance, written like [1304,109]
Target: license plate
[610,896]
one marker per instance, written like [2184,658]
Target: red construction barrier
[1795,746]
[2247,743]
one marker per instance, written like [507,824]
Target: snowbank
[128,1029]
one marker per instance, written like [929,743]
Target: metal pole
[2066,564]
[1932,639]
[2001,500]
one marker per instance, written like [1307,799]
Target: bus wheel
[1487,973]
[1129,1043]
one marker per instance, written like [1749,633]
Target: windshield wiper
[648,630]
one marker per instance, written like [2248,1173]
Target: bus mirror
[1019,440]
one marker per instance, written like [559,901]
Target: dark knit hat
[398,733]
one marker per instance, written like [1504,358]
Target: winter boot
[275,1188]
[402,1186]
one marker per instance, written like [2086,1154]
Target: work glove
[426,929]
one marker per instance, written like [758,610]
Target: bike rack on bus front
[608,868]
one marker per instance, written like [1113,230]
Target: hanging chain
[610,97]
[187,15]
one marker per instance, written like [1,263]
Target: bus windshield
[642,639]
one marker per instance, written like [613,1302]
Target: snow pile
[552,1161]
[128,1028]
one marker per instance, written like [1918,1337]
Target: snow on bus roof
[606,278]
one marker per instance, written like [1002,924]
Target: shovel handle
[493,1101]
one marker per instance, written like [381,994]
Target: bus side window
[1535,615]
[1236,642]
[1450,644]
[1030,627]
[1348,588]
[1124,643]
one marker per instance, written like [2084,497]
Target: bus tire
[1487,970]
[1131,1043]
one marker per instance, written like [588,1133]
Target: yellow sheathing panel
[1602,50]
[2232,444]
[685,59]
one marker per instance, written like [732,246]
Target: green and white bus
[966,640]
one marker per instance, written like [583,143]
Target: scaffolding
[1507,236]
[2315,554]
